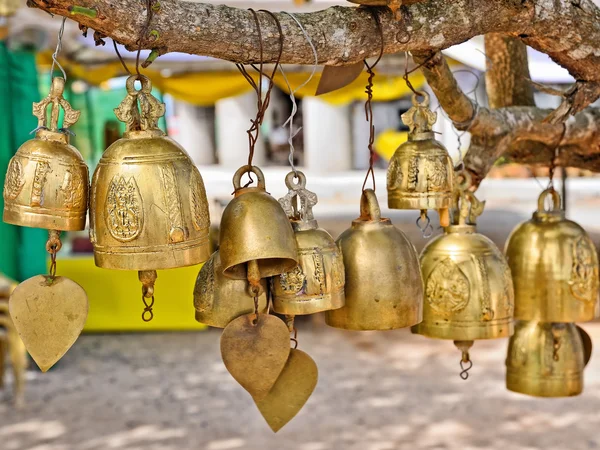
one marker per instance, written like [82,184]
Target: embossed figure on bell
[383,284]
[547,359]
[468,286]
[420,174]
[317,283]
[46,184]
[554,266]
[218,299]
[254,227]
[148,207]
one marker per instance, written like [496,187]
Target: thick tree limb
[568,31]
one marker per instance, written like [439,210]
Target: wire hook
[57,51]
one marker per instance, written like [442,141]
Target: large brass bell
[384,289]
[468,287]
[148,207]
[317,282]
[218,300]
[546,359]
[254,228]
[554,266]
[420,174]
[46,185]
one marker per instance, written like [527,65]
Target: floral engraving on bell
[14,180]
[124,214]
[339,276]
[319,272]
[394,175]
[584,273]
[293,281]
[413,174]
[172,203]
[447,288]
[42,169]
[200,217]
[205,285]
[509,293]
[487,313]
[436,175]
[72,190]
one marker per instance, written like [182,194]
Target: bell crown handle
[369,206]
[555,200]
[419,118]
[145,116]
[466,204]
[237,177]
[298,191]
[56,99]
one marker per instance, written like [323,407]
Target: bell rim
[420,200]
[288,261]
[487,330]
[42,218]
[308,304]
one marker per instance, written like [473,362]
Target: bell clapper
[255,289]
[465,362]
[53,245]
[289,321]
[427,228]
[147,278]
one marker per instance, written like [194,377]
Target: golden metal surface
[255,349]
[291,391]
[317,282]
[468,287]
[545,359]
[11,345]
[218,300]
[554,267]
[420,174]
[148,207]
[46,184]
[384,289]
[255,227]
[49,314]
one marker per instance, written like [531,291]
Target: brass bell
[546,359]
[384,288]
[420,174]
[554,266]
[46,184]
[218,300]
[148,208]
[254,228]
[468,287]
[317,283]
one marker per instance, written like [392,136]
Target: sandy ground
[377,391]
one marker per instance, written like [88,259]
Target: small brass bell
[468,287]
[148,208]
[384,288]
[254,227]
[546,359]
[46,183]
[218,300]
[317,283]
[420,174]
[554,266]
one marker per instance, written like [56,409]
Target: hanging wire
[57,51]
[368,103]
[121,58]
[149,15]
[262,104]
[554,159]
[290,120]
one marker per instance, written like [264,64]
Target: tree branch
[569,33]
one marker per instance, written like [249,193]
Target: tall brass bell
[46,185]
[468,287]
[148,208]
[384,288]
[554,266]
[420,174]
[254,227]
[546,359]
[317,283]
[218,300]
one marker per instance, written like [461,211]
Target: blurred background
[127,384]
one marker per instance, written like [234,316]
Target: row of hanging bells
[147,203]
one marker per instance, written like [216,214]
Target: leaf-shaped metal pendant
[291,391]
[49,314]
[255,350]
[336,77]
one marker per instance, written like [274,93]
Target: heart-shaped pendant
[291,390]
[49,314]
[255,349]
